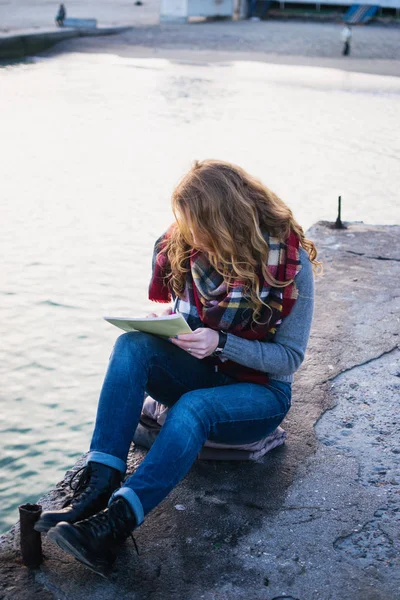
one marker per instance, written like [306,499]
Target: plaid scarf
[207,302]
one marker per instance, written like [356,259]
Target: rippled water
[91,147]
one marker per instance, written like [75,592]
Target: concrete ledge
[317,519]
[80,23]
[17,46]
[168,19]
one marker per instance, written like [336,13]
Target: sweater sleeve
[284,355]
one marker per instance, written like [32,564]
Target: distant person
[252,10]
[346,39]
[62,13]
[252,5]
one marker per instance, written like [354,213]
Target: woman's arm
[285,354]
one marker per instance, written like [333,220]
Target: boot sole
[71,546]
[43,527]
[47,522]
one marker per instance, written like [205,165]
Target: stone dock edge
[21,45]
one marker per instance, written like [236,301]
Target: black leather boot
[96,540]
[92,492]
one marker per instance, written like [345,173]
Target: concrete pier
[20,44]
[315,520]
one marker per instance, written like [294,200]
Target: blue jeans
[205,404]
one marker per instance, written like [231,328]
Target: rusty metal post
[31,543]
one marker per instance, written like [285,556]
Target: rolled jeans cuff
[106,459]
[133,500]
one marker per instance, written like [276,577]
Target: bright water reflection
[91,148]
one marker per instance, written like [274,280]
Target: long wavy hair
[224,211]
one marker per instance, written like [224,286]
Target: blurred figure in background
[251,10]
[252,5]
[346,39]
[62,13]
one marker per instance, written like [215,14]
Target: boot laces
[98,524]
[117,515]
[117,518]
[79,482]
[109,522]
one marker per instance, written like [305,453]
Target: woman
[239,269]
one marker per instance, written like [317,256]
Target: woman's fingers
[188,337]
[191,347]
[186,341]
[200,343]
[167,311]
[184,345]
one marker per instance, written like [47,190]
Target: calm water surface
[91,147]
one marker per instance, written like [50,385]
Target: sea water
[91,148]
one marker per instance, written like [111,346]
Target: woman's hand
[167,311]
[201,343]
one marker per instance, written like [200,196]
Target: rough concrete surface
[315,520]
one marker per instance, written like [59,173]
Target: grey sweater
[282,357]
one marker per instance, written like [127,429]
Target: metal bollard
[338,223]
[31,542]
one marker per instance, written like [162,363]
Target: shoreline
[380,67]
[375,50]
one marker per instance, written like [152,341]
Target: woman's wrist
[222,339]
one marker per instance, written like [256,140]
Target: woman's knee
[135,343]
